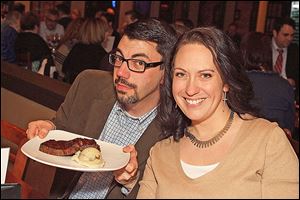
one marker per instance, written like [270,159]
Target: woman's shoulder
[166,143]
[260,123]
[259,127]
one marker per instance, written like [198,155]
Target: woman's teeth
[193,102]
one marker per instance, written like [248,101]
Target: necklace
[210,142]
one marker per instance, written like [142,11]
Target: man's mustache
[124,82]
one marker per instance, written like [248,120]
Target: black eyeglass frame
[147,65]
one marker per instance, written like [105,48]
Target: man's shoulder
[94,76]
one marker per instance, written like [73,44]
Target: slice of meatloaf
[67,147]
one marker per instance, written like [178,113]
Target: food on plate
[67,147]
[90,157]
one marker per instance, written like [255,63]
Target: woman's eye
[206,76]
[179,74]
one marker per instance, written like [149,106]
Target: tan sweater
[261,164]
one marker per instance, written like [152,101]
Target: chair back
[24,59]
[18,137]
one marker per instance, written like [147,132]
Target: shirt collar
[142,118]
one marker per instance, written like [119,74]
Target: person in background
[131,16]
[88,52]
[273,94]
[8,36]
[215,147]
[28,40]
[69,39]
[180,29]
[4,11]
[75,13]
[63,13]
[285,54]
[110,20]
[120,109]
[185,22]
[232,31]
[20,7]
[49,28]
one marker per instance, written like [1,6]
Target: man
[91,109]
[63,13]
[285,54]
[131,16]
[8,36]
[50,28]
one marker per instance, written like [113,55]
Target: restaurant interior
[27,95]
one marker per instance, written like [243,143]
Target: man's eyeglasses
[134,65]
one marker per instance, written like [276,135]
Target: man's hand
[40,128]
[128,174]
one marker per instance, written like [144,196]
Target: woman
[88,52]
[217,147]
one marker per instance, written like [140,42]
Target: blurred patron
[88,52]
[285,54]
[185,22]
[274,96]
[69,39]
[28,40]
[130,17]
[232,32]
[112,32]
[63,13]
[50,30]
[75,13]
[9,35]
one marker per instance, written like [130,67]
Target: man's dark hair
[19,7]
[53,12]
[278,24]
[154,31]
[255,58]
[29,21]
[109,17]
[134,14]
[63,8]
[186,22]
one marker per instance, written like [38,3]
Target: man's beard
[123,100]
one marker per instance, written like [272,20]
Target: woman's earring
[224,100]
[176,106]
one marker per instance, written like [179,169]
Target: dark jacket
[85,111]
[81,57]
[33,43]
[8,38]
[274,96]
[292,66]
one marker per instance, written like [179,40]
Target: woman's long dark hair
[228,60]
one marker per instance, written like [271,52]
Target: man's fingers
[42,133]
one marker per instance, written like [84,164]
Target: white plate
[112,154]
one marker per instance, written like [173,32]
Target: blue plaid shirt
[122,129]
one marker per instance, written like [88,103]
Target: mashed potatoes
[90,157]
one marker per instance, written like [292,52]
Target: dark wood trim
[41,89]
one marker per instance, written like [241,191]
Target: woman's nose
[191,88]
